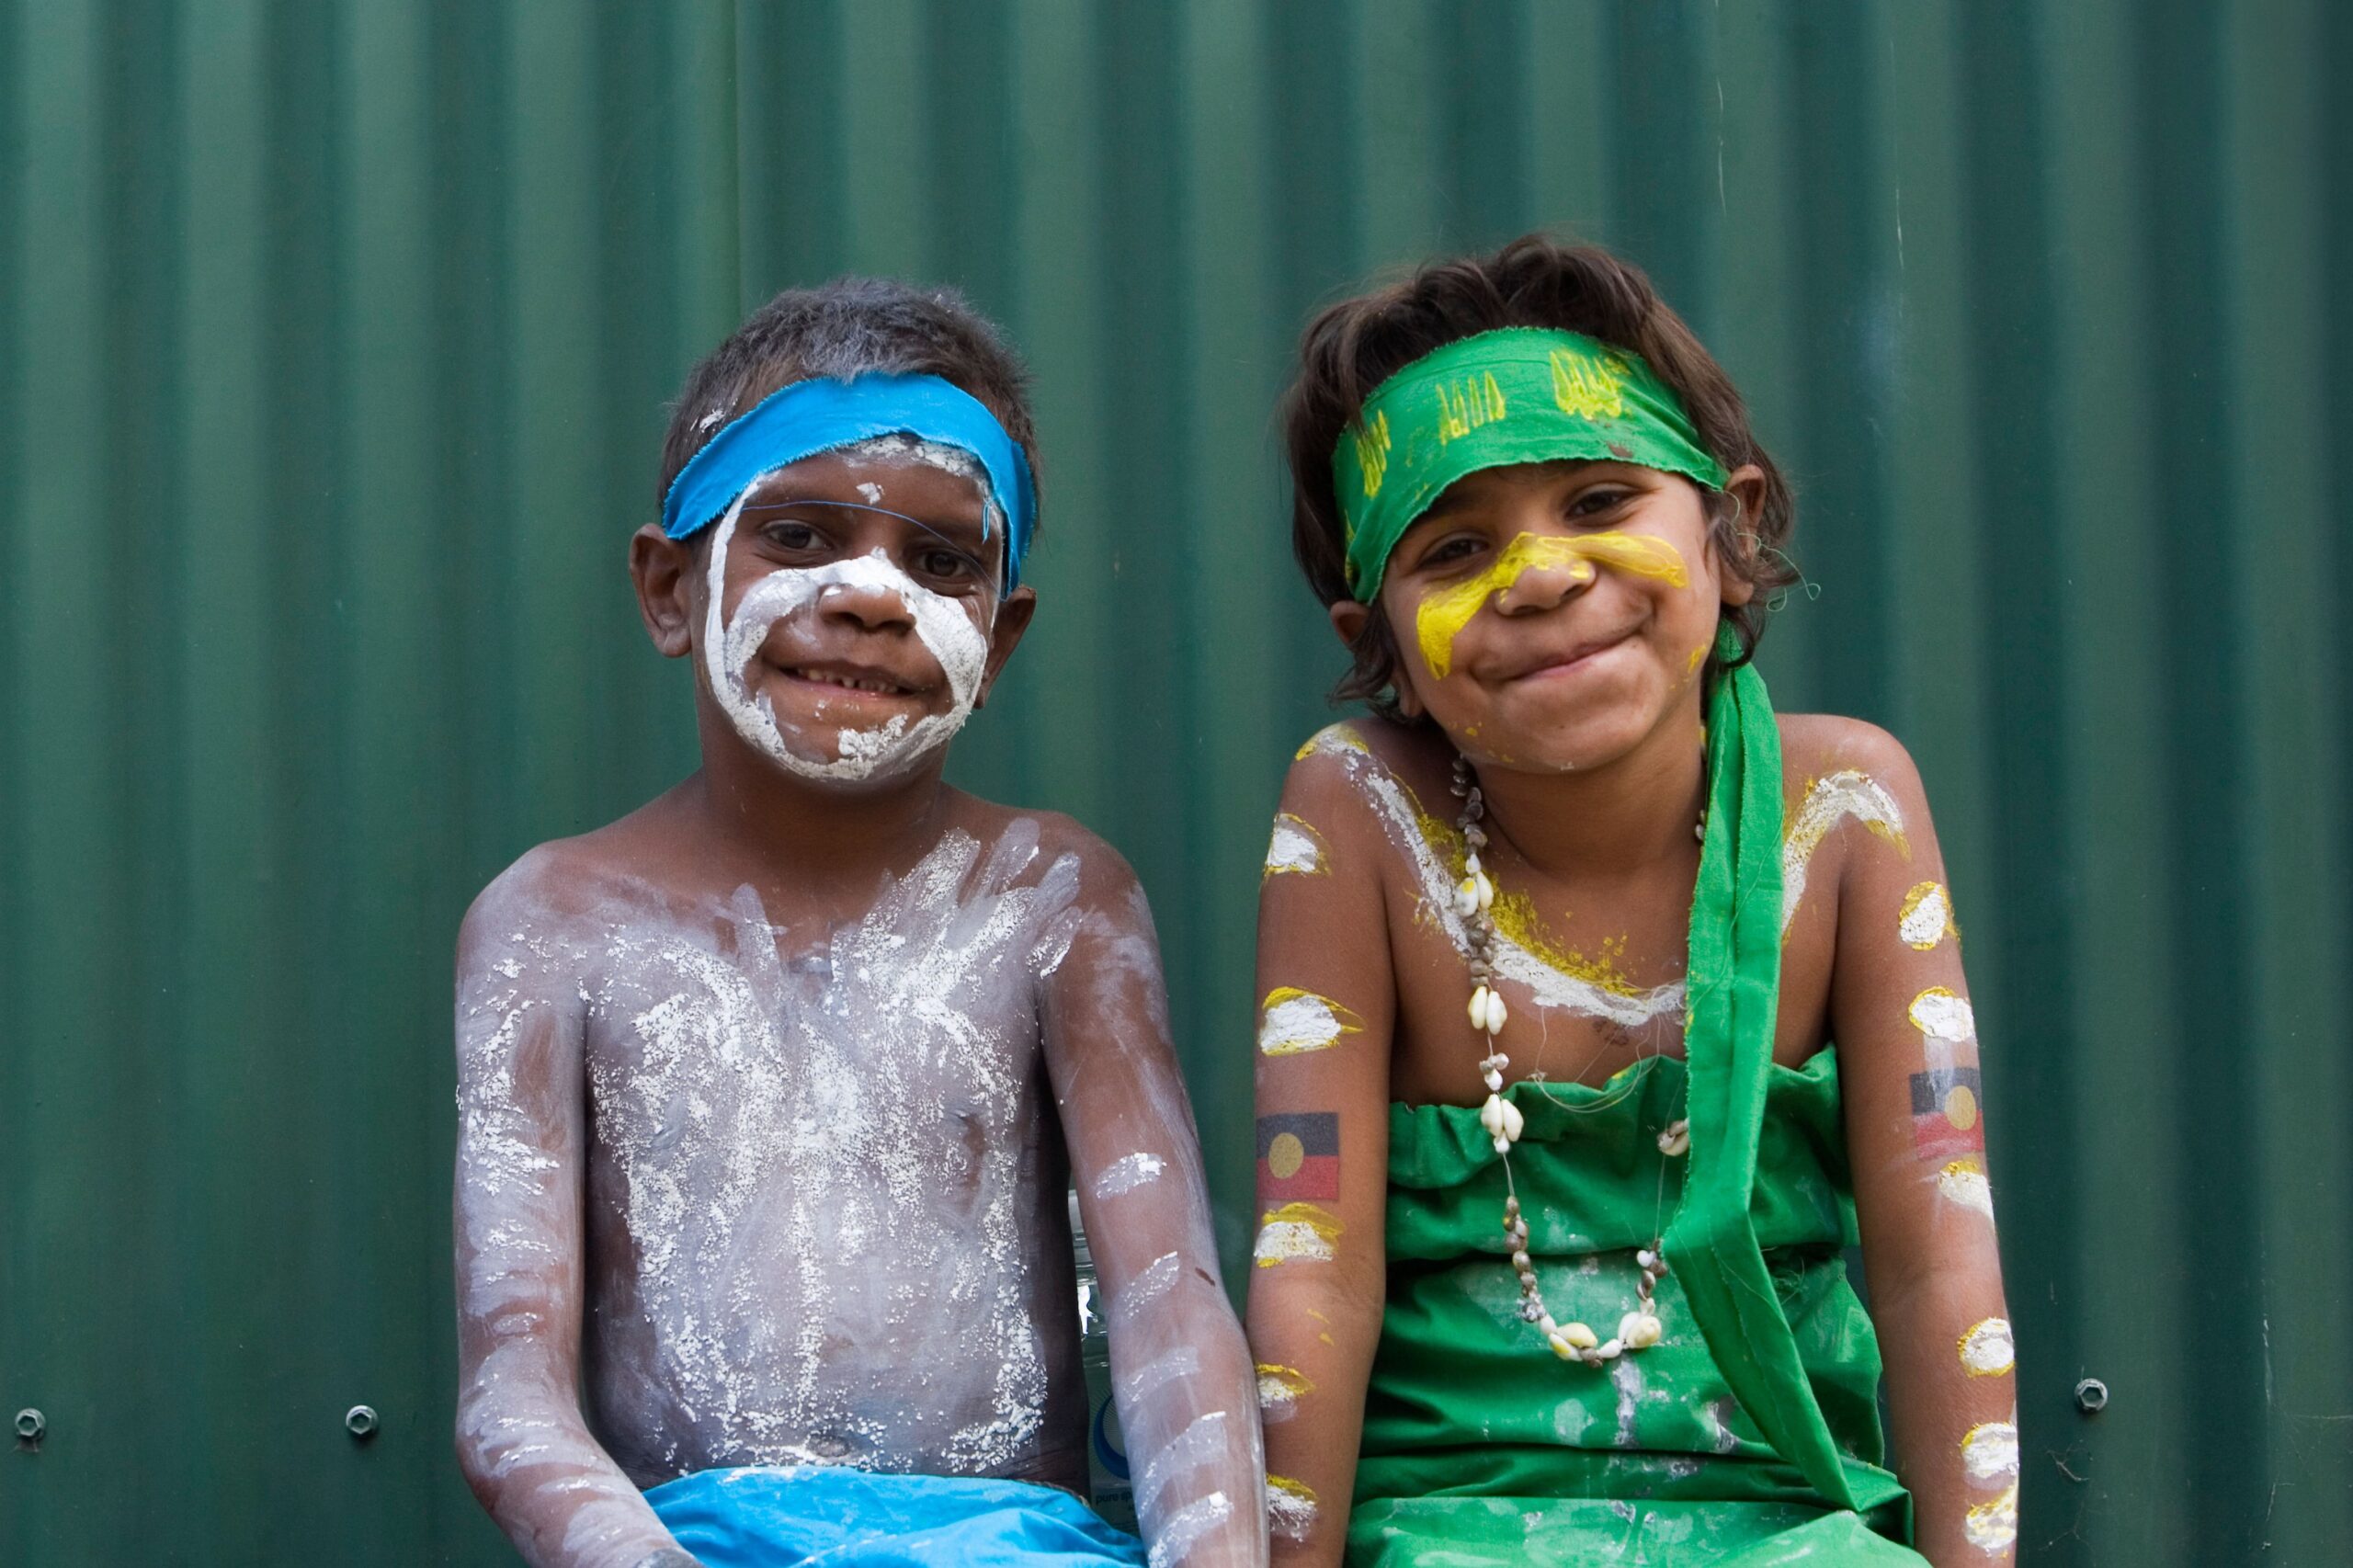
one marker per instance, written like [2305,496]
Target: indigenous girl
[1557,1159]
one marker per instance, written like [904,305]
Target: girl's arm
[1915,1107]
[1325,1015]
[1179,1368]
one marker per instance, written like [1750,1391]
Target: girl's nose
[1543,586]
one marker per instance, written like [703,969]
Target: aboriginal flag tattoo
[1947,1121]
[1299,1155]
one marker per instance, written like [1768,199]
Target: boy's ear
[662,567]
[1012,621]
[1747,487]
[1349,620]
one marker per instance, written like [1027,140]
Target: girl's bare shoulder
[1821,747]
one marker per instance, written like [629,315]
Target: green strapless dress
[1749,1435]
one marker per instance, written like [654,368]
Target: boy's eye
[787,534]
[947,565]
[1599,499]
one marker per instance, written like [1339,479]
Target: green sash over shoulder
[1749,1434]
[1732,991]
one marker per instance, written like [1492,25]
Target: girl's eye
[1461,547]
[1599,499]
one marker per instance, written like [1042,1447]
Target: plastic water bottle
[1107,1458]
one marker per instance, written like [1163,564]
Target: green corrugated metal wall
[337,336]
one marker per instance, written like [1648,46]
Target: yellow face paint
[1441,617]
[1296,1232]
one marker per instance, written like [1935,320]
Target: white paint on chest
[774,1124]
[1401,818]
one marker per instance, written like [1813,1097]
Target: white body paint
[1993,1526]
[1299,1024]
[1833,798]
[763,1122]
[1928,920]
[1185,1528]
[1986,1350]
[1990,1453]
[1291,1514]
[1958,1183]
[1128,1172]
[1293,848]
[1291,1241]
[1940,1014]
[1551,988]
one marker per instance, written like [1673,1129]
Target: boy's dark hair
[845,328]
[1349,349]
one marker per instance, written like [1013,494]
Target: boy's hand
[1181,1372]
[521,1106]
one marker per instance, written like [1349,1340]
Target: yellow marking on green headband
[1442,616]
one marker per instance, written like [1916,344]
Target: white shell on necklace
[1474,899]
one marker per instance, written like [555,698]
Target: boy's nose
[875,610]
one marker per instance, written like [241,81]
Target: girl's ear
[1349,620]
[662,567]
[1746,488]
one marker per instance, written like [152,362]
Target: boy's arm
[1915,1106]
[522,1109]
[1179,1368]
[1326,1012]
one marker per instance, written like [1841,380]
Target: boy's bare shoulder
[1104,874]
[566,879]
[1821,746]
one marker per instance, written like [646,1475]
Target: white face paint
[943,625]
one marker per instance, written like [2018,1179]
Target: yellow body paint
[1332,739]
[1698,657]
[1296,848]
[1442,616]
[1297,1021]
[1828,801]
[1291,1507]
[1516,915]
[1296,1232]
[1926,919]
[1986,1350]
[1993,1526]
[1963,1182]
[1990,1453]
[1940,1013]
[1280,1391]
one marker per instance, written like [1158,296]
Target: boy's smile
[851,609]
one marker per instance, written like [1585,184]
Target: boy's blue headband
[819,415]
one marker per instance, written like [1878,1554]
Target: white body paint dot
[1986,1350]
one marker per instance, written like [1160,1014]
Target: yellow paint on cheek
[1698,657]
[1296,1232]
[1441,617]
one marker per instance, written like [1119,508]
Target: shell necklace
[1474,899]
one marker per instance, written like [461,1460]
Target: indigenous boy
[769,1091]
[1557,1158]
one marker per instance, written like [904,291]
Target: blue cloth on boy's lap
[784,1516]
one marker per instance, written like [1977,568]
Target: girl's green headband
[1519,395]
